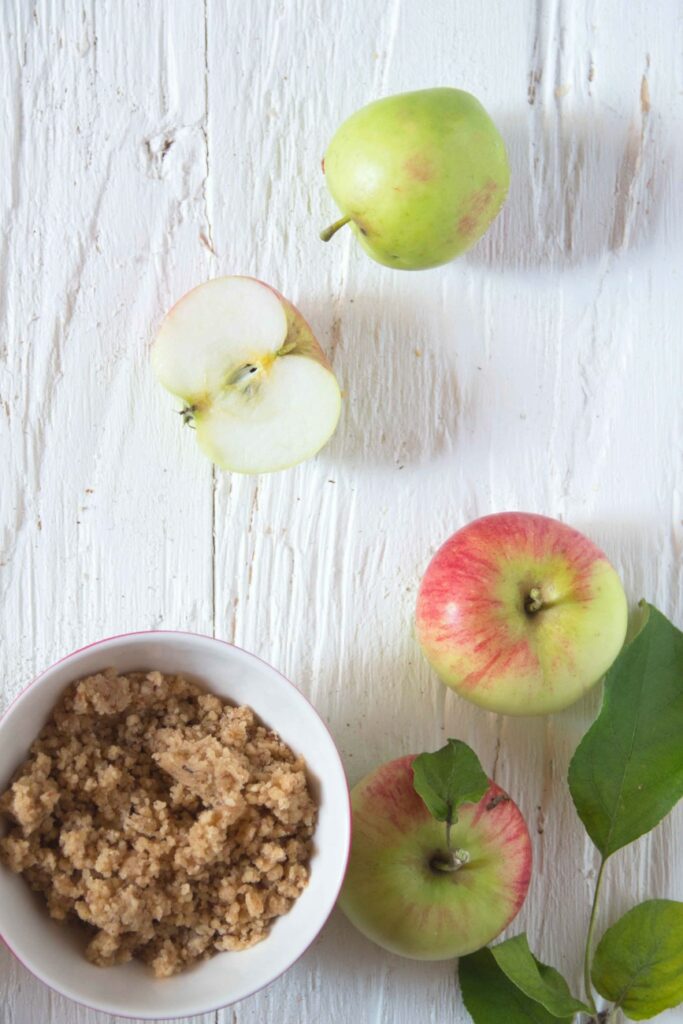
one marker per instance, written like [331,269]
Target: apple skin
[300,337]
[393,895]
[421,175]
[476,629]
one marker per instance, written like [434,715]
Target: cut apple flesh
[253,378]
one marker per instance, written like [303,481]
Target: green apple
[419,176]
[407,892]
[520,613]
[254,381]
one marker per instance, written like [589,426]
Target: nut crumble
[172,823]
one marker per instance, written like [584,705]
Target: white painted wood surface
[148,145]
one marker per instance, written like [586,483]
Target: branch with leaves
[625,776]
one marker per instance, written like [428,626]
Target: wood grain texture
[149,145]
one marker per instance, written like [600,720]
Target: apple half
[397,893]
[255,383]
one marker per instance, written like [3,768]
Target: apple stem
[326,235]
[452,860]
[449,862]
[534,601]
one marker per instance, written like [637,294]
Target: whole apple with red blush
[520,614]
[419,177]
[428,891]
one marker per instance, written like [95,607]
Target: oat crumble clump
[174,824]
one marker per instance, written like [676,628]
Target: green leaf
[639,960]
[627,772]
[490,996]
[449,777]
[540,982]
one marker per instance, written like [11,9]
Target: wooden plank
[540,372]
[527,393]
[105,510]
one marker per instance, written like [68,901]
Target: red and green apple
[427,891]
[520,614]
[254,381]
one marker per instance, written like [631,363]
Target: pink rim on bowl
[204,636]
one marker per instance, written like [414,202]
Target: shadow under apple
[402,403]
[342,949]
[581,187]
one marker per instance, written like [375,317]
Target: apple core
[255,383]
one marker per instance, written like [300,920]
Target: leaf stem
[589,939]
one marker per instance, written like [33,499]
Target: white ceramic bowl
[54,952]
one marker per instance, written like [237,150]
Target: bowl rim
[226,643]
